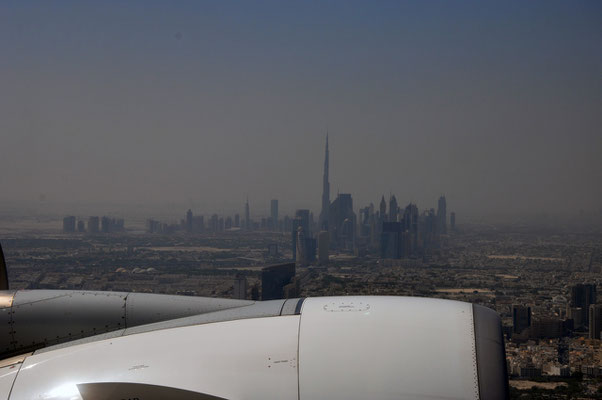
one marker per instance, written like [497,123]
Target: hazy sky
[496,104]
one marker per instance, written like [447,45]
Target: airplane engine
[298,349]
[33,319]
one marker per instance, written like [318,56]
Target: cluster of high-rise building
[583,314]
[584,310]
[404,232]
[95,224]
[391,232]
[215,223]
[336,228]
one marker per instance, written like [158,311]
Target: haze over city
[495,105]
[301,199]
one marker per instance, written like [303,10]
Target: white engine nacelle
[330,348]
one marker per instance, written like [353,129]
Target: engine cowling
[335,348]
[33,319]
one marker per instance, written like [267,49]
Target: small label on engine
[346,306]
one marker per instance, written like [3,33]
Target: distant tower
[301,251]
[247,216]
[324,214]
[342,222]
[106,224]
[189,220]
[595,321]
[93,225]
[69,224]
[390,240]
[521,318]
[383,209]
[393,209]
[304,216]
[582,296]
[452,221]
[410,234]
[274,214]
[442,215]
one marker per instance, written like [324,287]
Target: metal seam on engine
[474,353]
[125,311]
[299,306]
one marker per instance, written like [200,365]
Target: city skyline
[327,217]
[322,214]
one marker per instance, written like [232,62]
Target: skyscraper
[189,221]
[390,240]
[410,235]
[93,225]
[301,260]
[324,213]
[274,214]
[297,222]
[582,296]
[69,224]
[452,221]
[106,224]
[383,209]
[442,215]
[364,222]
[304,215]
[302,241]
[595,321]
[302,219]
[247,216]
[342,222]
[214,223]
[393,209]
[273,280]
[521,318]
[198,224]
[427,228]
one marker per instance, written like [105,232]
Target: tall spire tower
[324,214]
[247,216]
